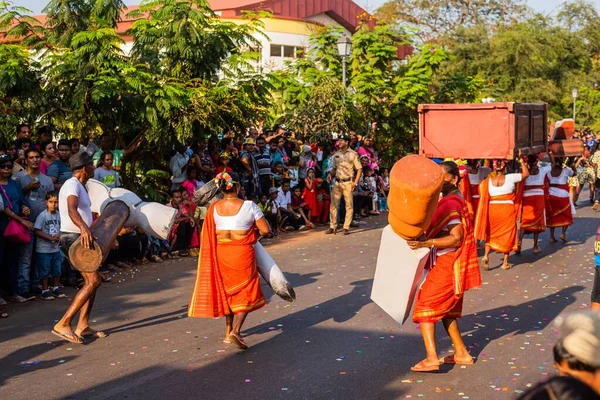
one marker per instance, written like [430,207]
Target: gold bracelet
[432,243]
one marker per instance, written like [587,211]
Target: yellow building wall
[282,25]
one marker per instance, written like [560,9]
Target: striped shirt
[263,160]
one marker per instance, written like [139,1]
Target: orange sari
[535,209]
[468,191]
[227,280]
[496,224]
[441,295]
[560,214]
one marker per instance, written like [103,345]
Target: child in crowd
[293,172]
[371,178]
[310,194]
[224,160]
[324,200]
[266,207]
[384,189]
[191,184]
[190,209]
[105,172]
[49,257]
[301,208]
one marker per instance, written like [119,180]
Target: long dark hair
[452,168]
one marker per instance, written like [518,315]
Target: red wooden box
[475,131]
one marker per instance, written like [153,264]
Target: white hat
[580,333]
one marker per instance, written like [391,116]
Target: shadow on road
[505,321]
[23,361]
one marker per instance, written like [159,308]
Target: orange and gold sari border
[247,307]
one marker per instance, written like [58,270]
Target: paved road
[332,343]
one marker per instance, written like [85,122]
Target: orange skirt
[503,227]
[436,300]
[533,217]
[475,206]
[561,212]
[241,280]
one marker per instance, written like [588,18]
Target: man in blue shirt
[59,170]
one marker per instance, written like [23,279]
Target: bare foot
[553,240]
[506,267]
[486,263]
[536,250]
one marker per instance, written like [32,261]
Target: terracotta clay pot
[415,186]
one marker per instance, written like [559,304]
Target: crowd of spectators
[285,175]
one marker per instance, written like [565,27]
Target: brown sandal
[422,367]
[238,341]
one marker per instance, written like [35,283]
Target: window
[288,51]
[276,50]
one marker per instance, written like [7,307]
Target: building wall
[284,38]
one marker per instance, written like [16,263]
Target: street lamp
[575,93]
[344,45]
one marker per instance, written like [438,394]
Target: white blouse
[245,218]
[562,179]
[508,187]
[536,180]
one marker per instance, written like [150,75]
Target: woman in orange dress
[561,214]
[536,203]
[456,270]
[496,221]
[469,186]
[228,283]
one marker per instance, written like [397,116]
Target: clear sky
[540,5]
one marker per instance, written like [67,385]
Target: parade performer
[228,283]
[76,218]
[469,186]
[455,271]
[561,215]
[496,221]
[536,203]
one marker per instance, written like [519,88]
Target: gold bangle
[432,243]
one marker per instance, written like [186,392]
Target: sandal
[451,360]
[156,258]
[92,333]
[563,238]
[518,251]
[68,336]
[3,314]
[422,367]
[238,341]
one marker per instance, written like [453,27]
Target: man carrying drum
[76,218]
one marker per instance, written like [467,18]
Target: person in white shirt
[178,166]
[496,221]
[76,218]
[533,218]
[561,204]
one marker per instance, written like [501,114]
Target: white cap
[580,333]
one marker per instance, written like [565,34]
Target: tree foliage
[434,20]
